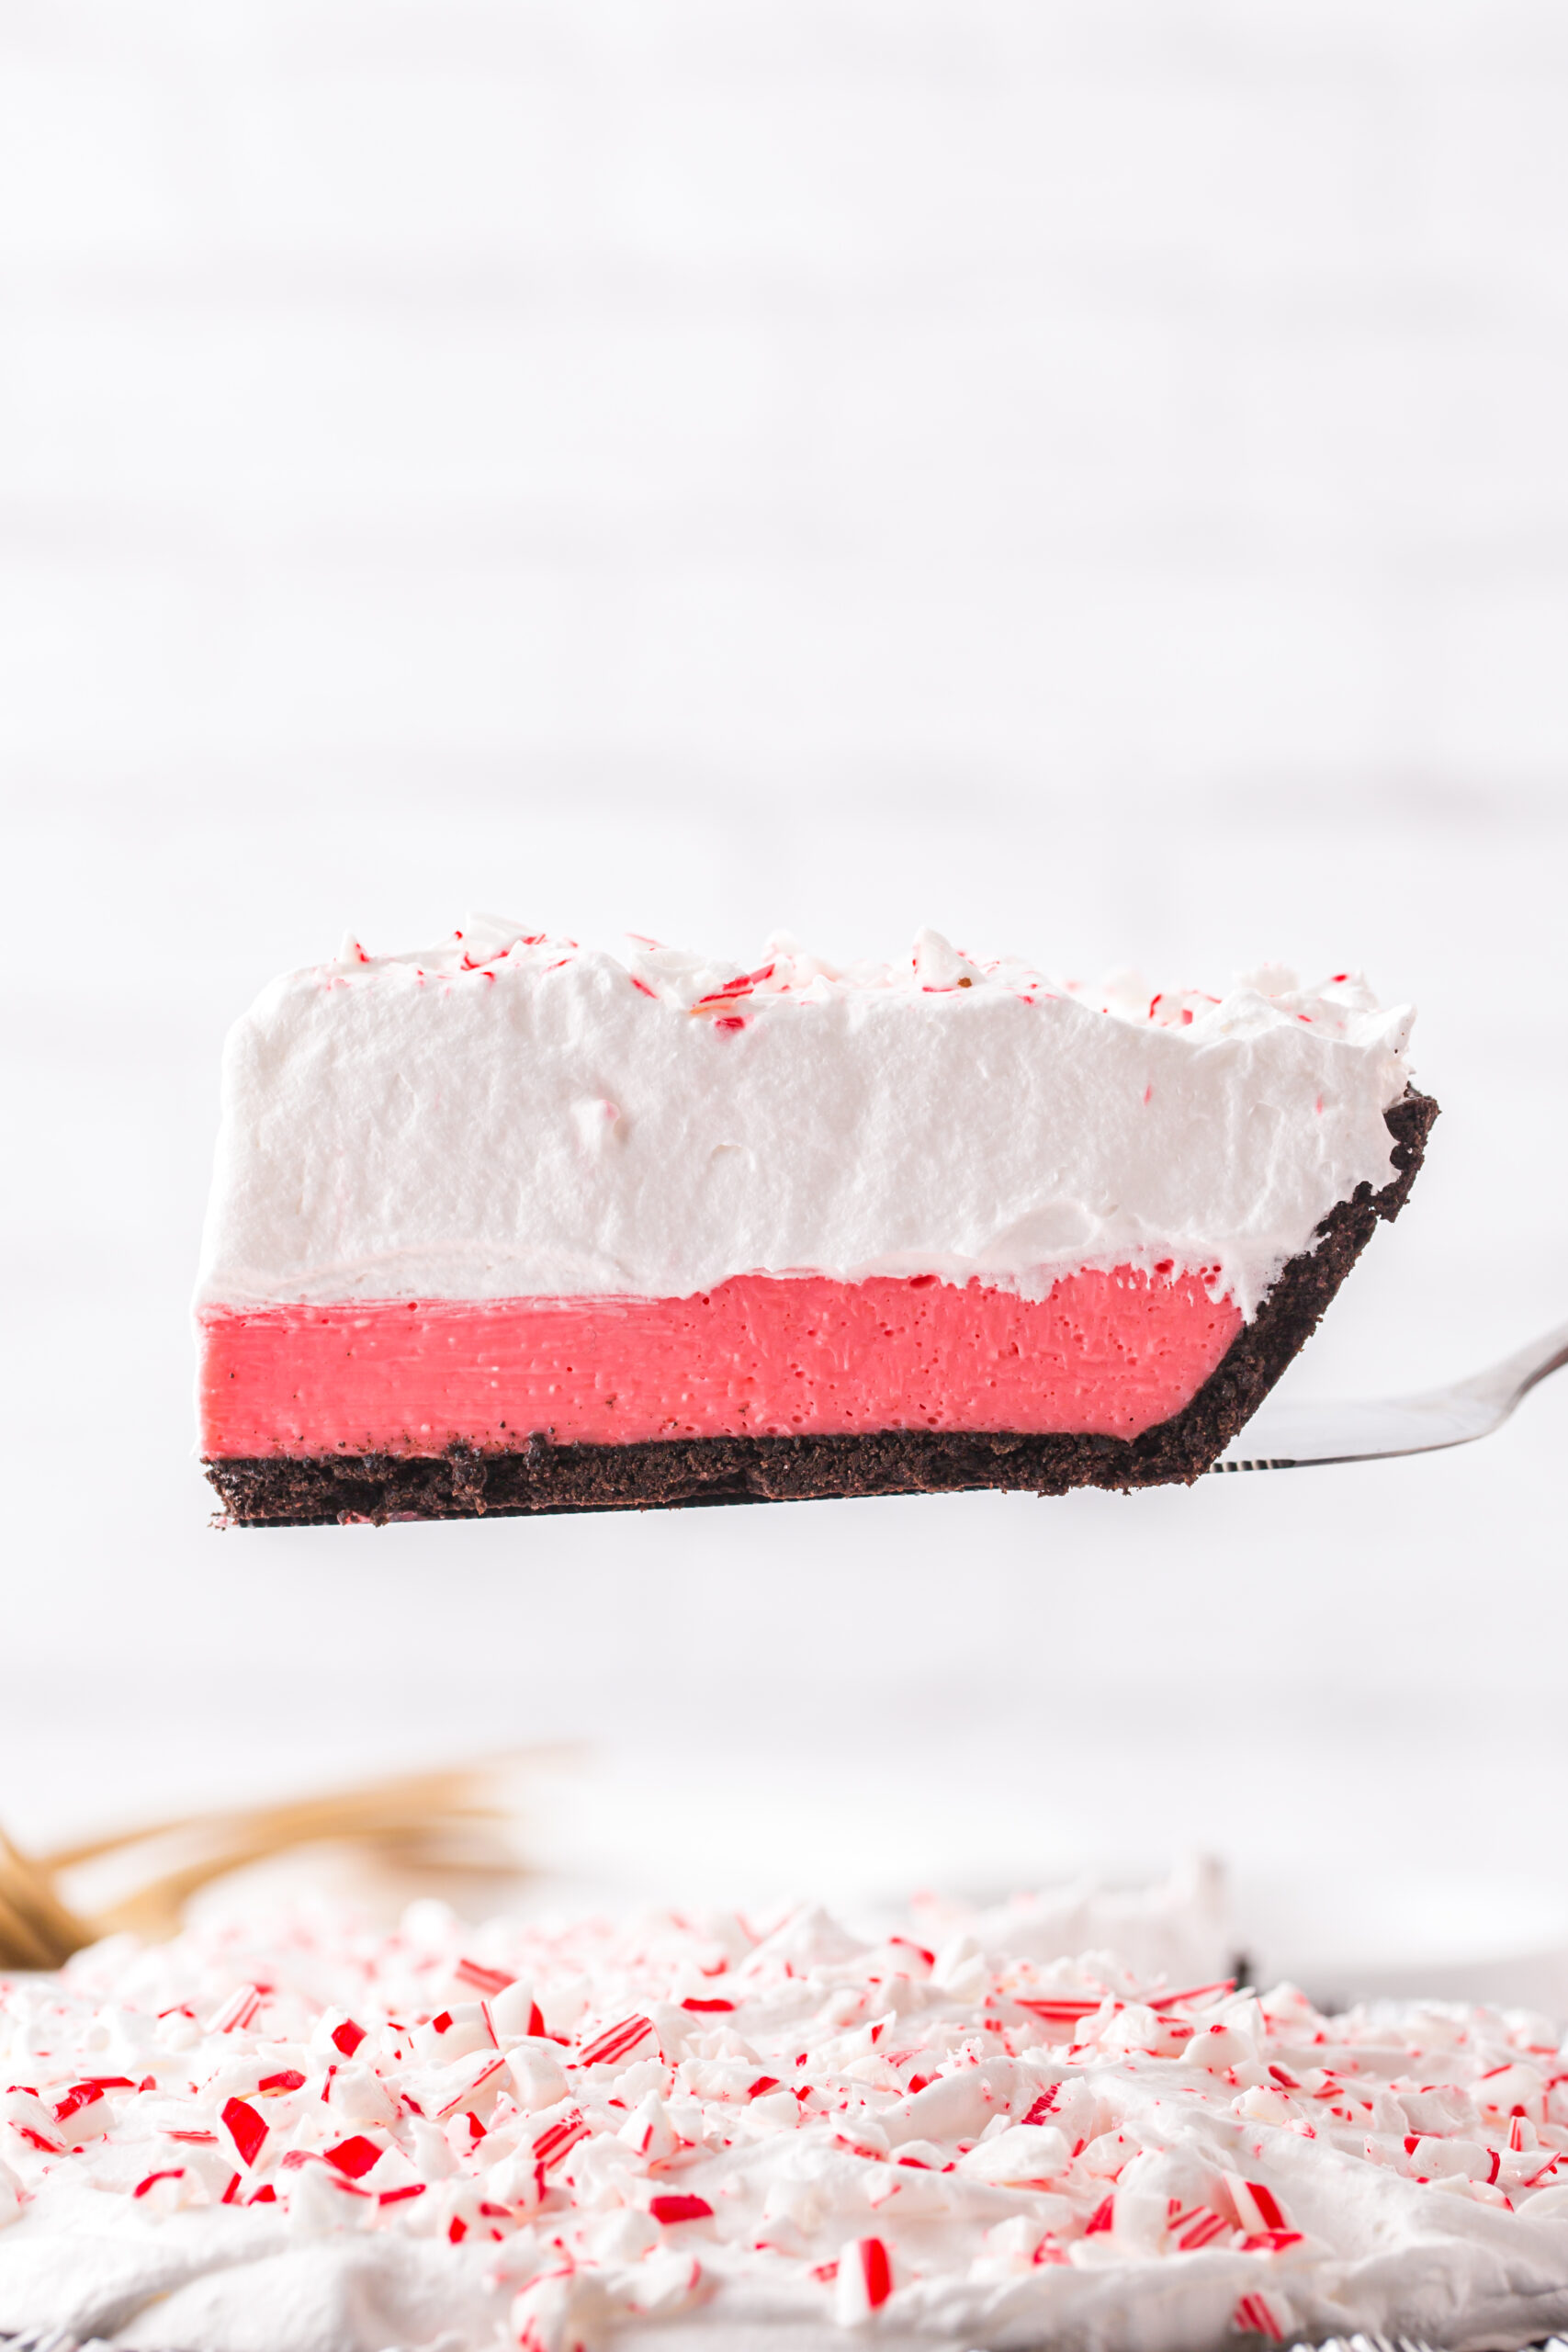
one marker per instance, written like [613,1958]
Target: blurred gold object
[420,1822]
[36,1928]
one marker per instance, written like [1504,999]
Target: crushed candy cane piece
[670,2210]
[245,2129]
[863,2280]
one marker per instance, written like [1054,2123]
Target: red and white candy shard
[743,2124]
[512,1186]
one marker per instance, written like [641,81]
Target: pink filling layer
[759,1356]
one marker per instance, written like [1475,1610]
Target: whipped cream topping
[724,2130]
[512,1115]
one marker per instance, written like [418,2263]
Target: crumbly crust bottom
[317,1490]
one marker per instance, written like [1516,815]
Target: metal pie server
[1287,1436]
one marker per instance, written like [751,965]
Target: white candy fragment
[597,1122]
[1026,2153]
[539,2078]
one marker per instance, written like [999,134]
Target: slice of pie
[515,1226]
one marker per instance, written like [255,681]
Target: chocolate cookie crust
[320,1490]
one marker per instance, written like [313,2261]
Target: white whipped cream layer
[685,2133]
[512,1115]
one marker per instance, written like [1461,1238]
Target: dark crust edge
[321,1490]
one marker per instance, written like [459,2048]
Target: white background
[1090,474]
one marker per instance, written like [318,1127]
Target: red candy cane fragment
[239,2010]
[245,2129]
[649,2131]
[670,2210]
[76,2107]
[485,2084]
[1258,2209]
[541,2314]
[554,2143]
[862,2282]
[1254,2316]
[1191,1993]
[618,2041]
[1062,2012]
[484,1980]
[1197,2227]
[354,2157]
[513,2011]
[174,2172]
[83,2093]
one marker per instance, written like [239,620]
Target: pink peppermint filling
[1108,1355]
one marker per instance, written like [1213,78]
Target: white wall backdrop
[1092,392]
[1090,473]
